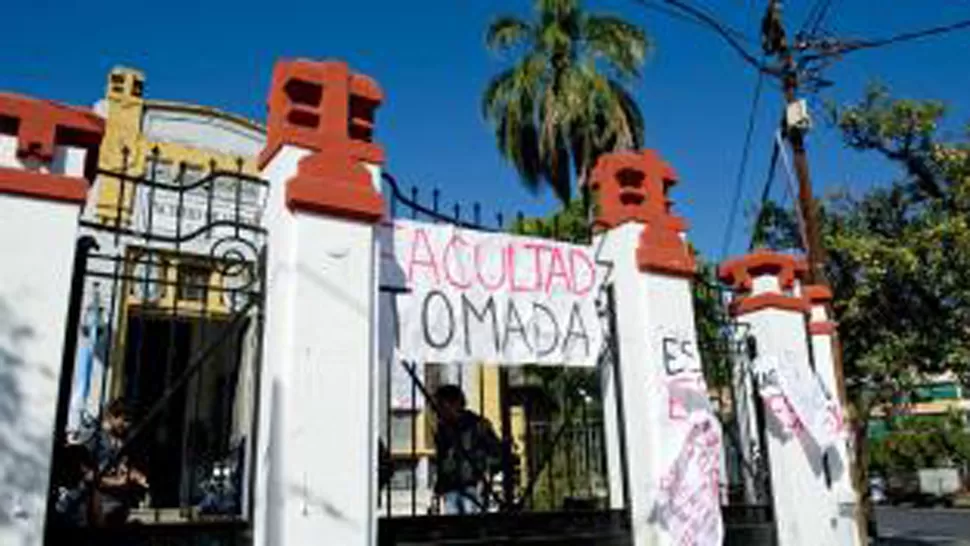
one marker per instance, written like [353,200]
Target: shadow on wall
[22,450]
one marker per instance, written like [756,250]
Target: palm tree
[565,100]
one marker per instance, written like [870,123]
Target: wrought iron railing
[168,297]
[549,420]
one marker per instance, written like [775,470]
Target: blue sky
[429,58]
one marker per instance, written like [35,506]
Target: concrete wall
[38,247]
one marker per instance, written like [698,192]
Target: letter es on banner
[467,295]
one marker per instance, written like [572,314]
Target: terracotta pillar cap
[322,106]
[817,293]
[738,272]
[632,187]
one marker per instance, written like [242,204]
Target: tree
[916,441]
[898,260]
[569,224]
[565,100]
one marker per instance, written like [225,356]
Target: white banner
[795,395]
[473,296]
[688,501]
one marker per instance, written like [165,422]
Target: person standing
[467,451]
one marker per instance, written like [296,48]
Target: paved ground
[923,526]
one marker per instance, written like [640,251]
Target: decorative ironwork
[554,460]
[173,270]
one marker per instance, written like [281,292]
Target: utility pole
[795,124]
[774,41]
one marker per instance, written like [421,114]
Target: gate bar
[82,248]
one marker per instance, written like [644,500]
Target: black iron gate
[552,487]
[164,325]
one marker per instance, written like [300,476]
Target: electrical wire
[815,16]
[857,45]
[727,33]
[821,17]
[658,6]
[742,168]
[802,230]
[765,192]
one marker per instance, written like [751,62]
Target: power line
[815,16]
[793,190]
[660,7]
[821,17]
[727,33]
[856,45]
[765,192]
[812,12]
[742,168]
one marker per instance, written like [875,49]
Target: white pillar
[769,302]
[651,268]
[823,331]
[317,444]
[42,190]
[638,386]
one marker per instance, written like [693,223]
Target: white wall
[37,244]
[317,461]
[803,509]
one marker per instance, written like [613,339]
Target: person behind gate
[467,450]
[120,484]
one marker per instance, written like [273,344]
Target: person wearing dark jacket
[467,453]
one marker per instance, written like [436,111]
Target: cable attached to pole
[742,168]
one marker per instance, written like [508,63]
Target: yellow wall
[125,149]
[123,132]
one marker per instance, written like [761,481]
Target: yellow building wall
[125,149]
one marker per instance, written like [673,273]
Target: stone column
[44,181]
[823,332]
[650,270]
[769,301]
[317,444]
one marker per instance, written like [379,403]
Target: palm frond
[506,33]
[631,112]
[497,92]
[623,45]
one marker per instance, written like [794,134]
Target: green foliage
[917,441]
[905,131]
[715,341]
[564,101]
[776,227]
[570,223]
